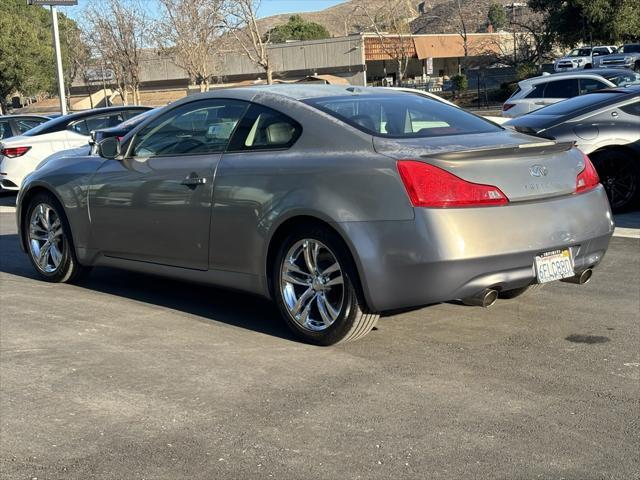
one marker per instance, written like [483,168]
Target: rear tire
[317,289]
[619,173]
[48,241]
[519,292]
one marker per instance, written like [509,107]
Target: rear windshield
[631,48]
[402,116]
[55,125]
[578,103]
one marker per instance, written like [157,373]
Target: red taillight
[429,186]
[588,178]
[13,152]
[507,106]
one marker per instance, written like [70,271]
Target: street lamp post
[56,42]
[59,72]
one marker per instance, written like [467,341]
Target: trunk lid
[524,168]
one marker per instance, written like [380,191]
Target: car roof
[293,92]
[540,120]
[60,123]
[26,115]
[599,72]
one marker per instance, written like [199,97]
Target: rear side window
[402,116]
[632,109]
[263,128]
[561,89]
[537,92]
[588,85]
[5,129]
[25,125]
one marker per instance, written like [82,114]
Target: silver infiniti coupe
[338,203]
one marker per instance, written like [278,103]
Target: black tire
[619,173]
[636,66]
[68,269]
[354,320]
[518,292]
[588,66]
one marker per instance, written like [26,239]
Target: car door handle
[193,180]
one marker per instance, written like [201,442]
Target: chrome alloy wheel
[46,238]
[312,285]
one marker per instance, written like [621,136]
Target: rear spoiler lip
[525,149]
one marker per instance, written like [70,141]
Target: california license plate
[555,265]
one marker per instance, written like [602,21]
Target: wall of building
[341,56]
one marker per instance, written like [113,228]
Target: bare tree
[77,55]
[463,34]
[190,32]
[241,19]
[119,32]
[390,21]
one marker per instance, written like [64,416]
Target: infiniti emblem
[538,171]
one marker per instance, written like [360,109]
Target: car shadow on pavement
[211,304]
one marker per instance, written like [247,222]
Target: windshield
[632,48]
[592,100]
[402,116]
[580,52]
[624,78]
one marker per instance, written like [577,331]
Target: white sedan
[537,92]
[20,155]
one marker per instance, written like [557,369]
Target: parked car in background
[628,56]
[337,203]
[606,126]
[433,96]
[20,155]
[13,125]
[582,58]
[534,93]
[89,148]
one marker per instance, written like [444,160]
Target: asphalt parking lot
[130,376]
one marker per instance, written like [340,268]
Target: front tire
[48,239]
[317,289]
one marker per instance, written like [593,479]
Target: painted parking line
[626,232]
[4,209]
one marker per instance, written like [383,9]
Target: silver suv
[583,57]
[628,56]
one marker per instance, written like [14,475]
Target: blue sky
[267,7]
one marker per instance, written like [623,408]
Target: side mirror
[109,148]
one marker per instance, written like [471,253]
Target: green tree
[297,28]
[580,21]
[496,16]
[27,62]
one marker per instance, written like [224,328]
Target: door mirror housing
[109,148]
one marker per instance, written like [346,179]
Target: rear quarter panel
[331,173]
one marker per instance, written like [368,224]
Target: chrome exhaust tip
[581,278]
[487,298]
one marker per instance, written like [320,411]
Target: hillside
[441,16]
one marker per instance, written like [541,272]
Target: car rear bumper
[447,254]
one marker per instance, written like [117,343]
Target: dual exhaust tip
[489,295]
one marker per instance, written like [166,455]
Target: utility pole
[59,72]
